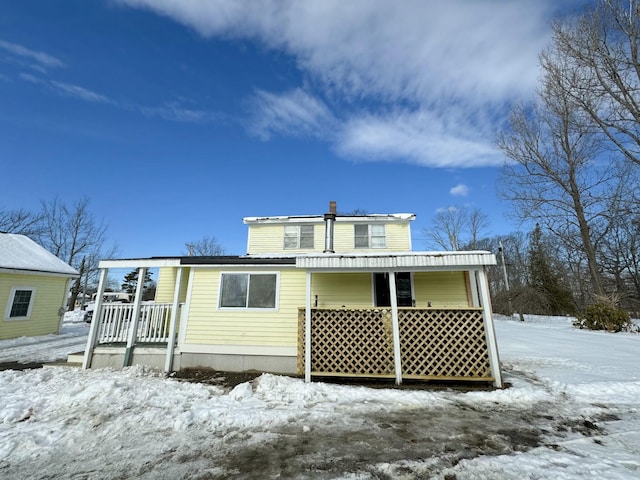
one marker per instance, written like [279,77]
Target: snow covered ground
[571,412]
[48,348]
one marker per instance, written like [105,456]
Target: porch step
[75,358]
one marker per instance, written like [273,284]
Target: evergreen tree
[130,283]
[545,281]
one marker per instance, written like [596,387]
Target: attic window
[20,303]
[369,236]
[298,236]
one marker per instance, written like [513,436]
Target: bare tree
[20,221]
[603,48]
[553,177]
[456,227]
[205,247]
[73,235]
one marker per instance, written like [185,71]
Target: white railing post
[397,357]
[133,321]
[490,333]
[95,322]
[307,331]
[171,341]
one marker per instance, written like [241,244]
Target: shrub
[604,316]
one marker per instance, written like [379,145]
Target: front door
[403,289]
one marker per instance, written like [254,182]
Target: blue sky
[179,118]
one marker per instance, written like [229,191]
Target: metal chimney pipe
[329,220]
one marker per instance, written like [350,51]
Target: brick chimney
[329,220]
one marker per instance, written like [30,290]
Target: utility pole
[506,279]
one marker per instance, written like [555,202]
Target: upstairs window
[20,303]
[298,236]
[248,290]
[369,236]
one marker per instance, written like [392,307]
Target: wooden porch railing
[435,343]
[116,320]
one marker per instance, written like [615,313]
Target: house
[319,295]
[33,288]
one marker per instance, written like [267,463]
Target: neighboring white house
[33,288]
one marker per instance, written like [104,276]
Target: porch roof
[399,261]
[371,261]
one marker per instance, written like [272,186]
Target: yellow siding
[166,284]
[49,296]
[353,290]
[442,289]
[269,238]
[210,325]
[398,238]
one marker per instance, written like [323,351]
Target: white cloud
[78,92]
[420,137]
[458,63]
[174,112]
[295,113]
[460,190]
[41,59]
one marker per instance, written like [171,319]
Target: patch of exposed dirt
[229,380]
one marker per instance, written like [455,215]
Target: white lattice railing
[435,343]
[116,320]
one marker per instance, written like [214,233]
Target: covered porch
[397,341]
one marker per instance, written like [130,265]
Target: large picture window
[20,303]
[369,236]
[248,290]
[298,236]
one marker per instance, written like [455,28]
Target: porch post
[397,357]
[133,323]
[171,342]
[474,288]
[95,322]
[490,333]
[307,331]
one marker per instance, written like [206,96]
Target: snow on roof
[18,252]
[390,217]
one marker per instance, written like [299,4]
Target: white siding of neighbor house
[210,325]
[49,296]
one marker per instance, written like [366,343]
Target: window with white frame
[369,236]
[20,303]
[248,290]
[298,236]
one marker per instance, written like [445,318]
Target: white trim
[490,333]
[240,349]
[92,338]
[395,327]
[140,262]
[397,261]
[41,273]
[276,306]
[307,329]
[12,298]
[171,343]
[474,288]
[375,218]
[184,314]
